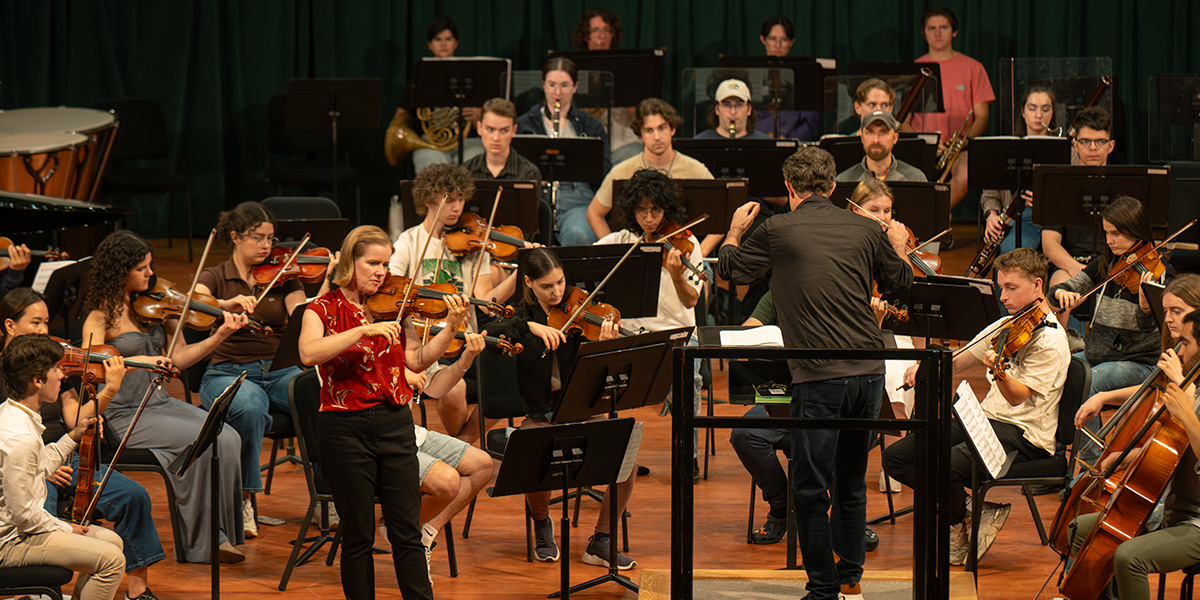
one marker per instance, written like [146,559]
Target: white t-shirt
[1041,365]
[671,312]
[453,269]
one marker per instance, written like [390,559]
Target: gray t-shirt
[899,171]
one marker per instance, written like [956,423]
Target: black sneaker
[695,471]
[872,541]
[770,533]
[544,547]
[146,595]
[597,554]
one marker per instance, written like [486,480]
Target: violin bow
[1128,263]
[170,349]
[287,263]
[487,233]
[599,286]
[421,257]
[684,228]
[926,242]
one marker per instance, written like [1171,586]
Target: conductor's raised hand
[743,217]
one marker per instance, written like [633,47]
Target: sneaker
[544,547]
[960,541]
[888,485]
[850,591]
[695,470]
[770,533]
[230,554]
[1075,342]
[991,520]
[333,516]
[146,595]
[428,535]
[871,543]
[597,554]
[249,522]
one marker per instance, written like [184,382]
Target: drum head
[52,119]
[39,143]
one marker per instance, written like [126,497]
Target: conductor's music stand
[1080,193]
[923,206]
[929,300]
[1006,163]
[460,82]
[208,437]
[756,161]
[316,104]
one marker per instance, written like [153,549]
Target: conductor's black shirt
[821,261]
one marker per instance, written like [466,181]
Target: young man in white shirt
[29,535]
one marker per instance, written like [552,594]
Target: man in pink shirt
[965,87]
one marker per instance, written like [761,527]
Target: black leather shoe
[770,533]
[872,541]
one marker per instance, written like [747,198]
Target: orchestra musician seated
[732,112]
[496,129]
[1021,405]
[879,134]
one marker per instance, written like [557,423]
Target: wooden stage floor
[492,561]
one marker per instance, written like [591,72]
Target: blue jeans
[756,449]
[126,505]
[829,469]
[571,214]
[1112,375]
[262,393]
[1031,235]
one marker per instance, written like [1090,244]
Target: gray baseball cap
[880,115]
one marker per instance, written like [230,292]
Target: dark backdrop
[214,64]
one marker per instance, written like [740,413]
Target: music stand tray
[923,206]
[756,161]
[929,303]
[717,198]
[564,159]
[1080,192]
[633,289]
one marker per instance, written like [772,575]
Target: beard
[877,153]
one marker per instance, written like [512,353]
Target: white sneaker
[249,522]
[888,485]
[333,516]
[991,520]
[960,542]
[428,535]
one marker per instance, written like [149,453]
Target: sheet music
[44,271]
[631,452]
[975,423]
[767,335]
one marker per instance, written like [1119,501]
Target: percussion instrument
[97,128]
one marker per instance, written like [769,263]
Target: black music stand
[808,75]
[324,233]
[518,204]
[637,72]
[208,437]
[757,161]
[1080,193]
[847,151]
[1006,163]
[575,455]
[610,376]
[636,294]
[315,104]
[460,82]
[929,302]
[923,206]
[64,293]
[563,159]
[717,198]
[288,352]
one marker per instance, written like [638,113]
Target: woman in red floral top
[366,436]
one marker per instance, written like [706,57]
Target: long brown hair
[538,262]
[1128,215]
[115,257]
[13,306]
[1186,287]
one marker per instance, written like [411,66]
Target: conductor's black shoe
[872,541]
[770,533]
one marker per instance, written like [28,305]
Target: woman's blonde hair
[354,246]
[1186,287]
[869,189]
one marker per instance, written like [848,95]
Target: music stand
[208,437]
[911,148]
[1154,293]
[563,159]
[1006,162]
[460,82]
[315,104]
[757,161]
[717,198]
[923,206]
[637,72]
[324,233]
[64,293]
[1080,192]
[609,376]
[576,455]
[974,303]
[518,204]
[288,352]
[808,73]
[633,289]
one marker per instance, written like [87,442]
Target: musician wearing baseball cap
[879,135]
[732,116]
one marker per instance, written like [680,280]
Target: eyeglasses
[607,30]
[1092,143]
[261,240]
[733,105]
[642,211]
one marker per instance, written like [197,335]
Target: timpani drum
[90,158]
[40,163]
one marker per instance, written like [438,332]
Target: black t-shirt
[1078,240]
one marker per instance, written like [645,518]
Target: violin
[1013,336]
[390,302]
[466,237]
[923,263]
[77,362]
[310,266]
[429,327]
[163,301]
[1142,258]
[681,241]
[589,320]
[900,314]
[51,254]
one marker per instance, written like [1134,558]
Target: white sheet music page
[767,335]
[46,269]
[970,413]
